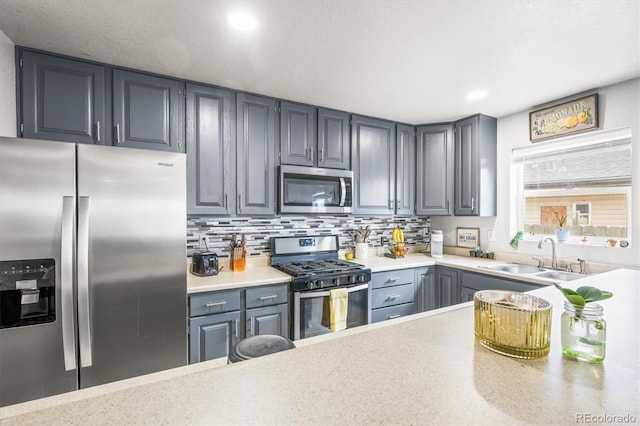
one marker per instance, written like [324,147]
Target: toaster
[204,264]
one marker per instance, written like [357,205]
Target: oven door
[307,311]
[315,190]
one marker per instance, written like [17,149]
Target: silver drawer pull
[211,304]
[393,297]
[393,279]
[393,316]
[271,296]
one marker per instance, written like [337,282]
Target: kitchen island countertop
[422,369]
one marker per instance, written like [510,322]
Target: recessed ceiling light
[243,21]
[477,94]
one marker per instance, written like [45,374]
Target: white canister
[436,244]
[362,250]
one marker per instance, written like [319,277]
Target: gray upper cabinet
[256,161]
[64,100]
[334,145]
[210,150]
[148,111]
[434,177]
[298,132]
[405,169]
[373,153]
[475,166]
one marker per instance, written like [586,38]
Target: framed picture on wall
[467,237]
[563,119]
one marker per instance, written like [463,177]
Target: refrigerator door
[132,315]
[37,207]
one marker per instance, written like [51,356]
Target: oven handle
[310,294]
[343,192]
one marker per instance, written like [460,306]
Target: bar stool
[260,345]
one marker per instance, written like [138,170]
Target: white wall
[7,87]
[619,107]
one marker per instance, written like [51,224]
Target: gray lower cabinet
[472,282]
[256,155]
[220,319]
[434,176]
[425,289]
[148,111]
[64,100]
[393,294]
[373,153]
[405,170]
[475,155]
[211,177]
[444,290]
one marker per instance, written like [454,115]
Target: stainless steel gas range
[313,263]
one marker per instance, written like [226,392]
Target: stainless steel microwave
[314,190]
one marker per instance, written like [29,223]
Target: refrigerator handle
[84,325]
[66,283]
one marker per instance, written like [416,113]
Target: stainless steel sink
[560,275]
[515,268]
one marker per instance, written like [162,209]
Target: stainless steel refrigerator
[92,265]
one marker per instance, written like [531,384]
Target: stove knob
[320,283]
[361,278]
[336,281]
[310,285]
[352,278]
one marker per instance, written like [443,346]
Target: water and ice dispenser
[27,292]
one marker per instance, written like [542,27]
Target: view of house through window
[586,180]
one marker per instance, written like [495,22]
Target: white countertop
[422,369]
[258,271]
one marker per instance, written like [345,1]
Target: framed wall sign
[565,118]
[467,237]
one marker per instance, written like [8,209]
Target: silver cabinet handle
[394,316]
[392,279]
[212,304]
[398,204]
[321,155]
[239,203]
[311,154]
[117,133]
[393,296]
[66,283]
[226,200]
[271,296]
[84,316]
[473,203]
[390,204]
[235,322]
[98,130]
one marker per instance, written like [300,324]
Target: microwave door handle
[343,192]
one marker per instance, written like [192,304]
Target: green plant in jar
[583,328]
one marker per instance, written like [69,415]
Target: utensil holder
[362,250]
[238,261]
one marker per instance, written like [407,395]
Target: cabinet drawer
[267,295]
[389,278]
[214,302]
[389,296]
[391,312]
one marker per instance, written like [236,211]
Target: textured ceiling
[407,60]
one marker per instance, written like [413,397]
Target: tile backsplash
[217,231]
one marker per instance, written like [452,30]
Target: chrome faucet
[554,260]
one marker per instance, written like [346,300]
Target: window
[586,178]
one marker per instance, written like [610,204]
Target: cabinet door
[434,177]
[298,131]
[268,320]
[148,111]
[425,289]
[475,166]
[210,150]
[64,100]
[467,294]
[213,336]
[334,145]
[448,286]
[466,169]
[256,136]
[405,169]
[373,153]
